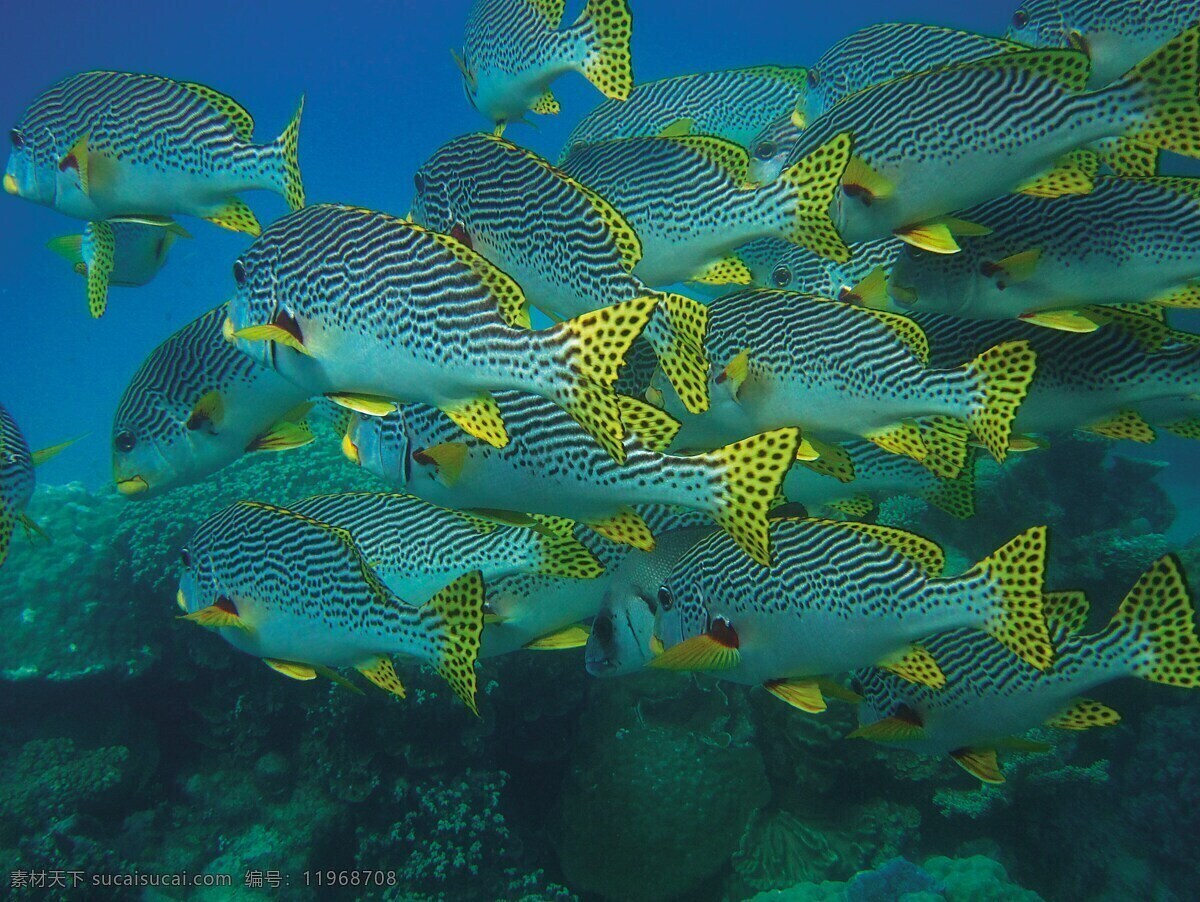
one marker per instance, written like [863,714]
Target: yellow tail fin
[753,474]
[1160,617]
[1166,82]
[609,62]
[1002,376]
[1017,574]
[458,610]
[813,184]
[287,145]
[677,334]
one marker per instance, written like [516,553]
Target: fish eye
[18,140]
[239,272]
[665,600]
[1020,19]
[764,150]
[185,558]
[781,275]
[124,441]
[419,182]
[814,78]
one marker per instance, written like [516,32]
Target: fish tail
[595,345]
[287,149]
[812,185]
[1158,618]
[1016,574]
[677,332]
[1001,377]
[1167,83]
[455,615]
[752,474]
[1128,158]
[607,27]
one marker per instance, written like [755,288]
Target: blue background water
[382,94]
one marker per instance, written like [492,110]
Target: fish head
[382,446]
[1039,23]
[941,283]
[681,609]
[770,148]
[31,169]
[152,448]
[431,206]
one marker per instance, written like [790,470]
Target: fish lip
[599,666]
[11,186]
[134,485]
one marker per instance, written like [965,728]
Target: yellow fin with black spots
[1074,173]
[676,333]
[1085,714]
[923,552]
[479,417]
[651,427]
[624,528]
[381,672]
[1124,424]
[916,665]
[236,216]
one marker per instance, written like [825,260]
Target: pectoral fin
[208,413]
[283,437]
[979,763]
[78,158]
[291,669]
[804,695]
[367,405]
[448,458]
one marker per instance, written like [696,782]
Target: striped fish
[17,479]
[991,695]
[692,204]
[514,49]
[567,248]
[735,104]
[138,251]
[195,406]
[861,280]
[300,594]
[1099,381]
[620,641]
[840,372]
[376,311]
[870,56]
[550,467]
[417,548]
[932,143]
[100,145]
[1115,34]
[1128,241]
[841,593]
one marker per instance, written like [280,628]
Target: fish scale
[16,478]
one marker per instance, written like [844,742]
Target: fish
[839,371]
[620,640]
[117,252]
[691,201]
[992,697]
[17,480]
[930,144]
[863,279]
[735,104]
[1098,382]
[514,49]
[375,311]
[870,56]
[570,251]
[839,593]
[1115,34]
[301,595]
[100,145]
[1128,241]
[878,475]
[196,405]
[551,467]
[417,548]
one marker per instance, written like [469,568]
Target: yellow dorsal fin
[731,270]
[574,636]
[1068,68]
[510,299]
[652,428]
[855,507]
[909,333]
[448,457]
[479,417]
[729,157]
[916,665]
[923,552]
[239,118]
[796,76]
[550,10]
[979,763]
[1185,298]
[804,695]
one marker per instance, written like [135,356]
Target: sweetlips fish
[566,246]
[691,201]
[992,696]
[196,405]
[837,593]
[620,640]
[302,596]
[1098,382]
[100,145]
[932,143]
[870,56]
[117,252]
[860,280]
[514,49]
[1128,241]
[840,371]
[17,479]
[1115,34]
[417,548]
[735,104]
[375,311]
[550,467]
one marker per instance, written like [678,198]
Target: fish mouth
[599,666]
[902,294]
[351,451]
[134,485]
[11,186]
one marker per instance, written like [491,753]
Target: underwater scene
[600,450]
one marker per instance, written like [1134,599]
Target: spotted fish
[100,145]
[932,143]
[840,593]
[514,49]
[138,251]
[735,104]
[376,311]
[1128,241]
[567,248]
[861,280]
[551,467]
[300,594]
[195,406]
[1115,34]
[991,695]
[691,202]
[17,479]
[870,56]
[840,371]
[417,548]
